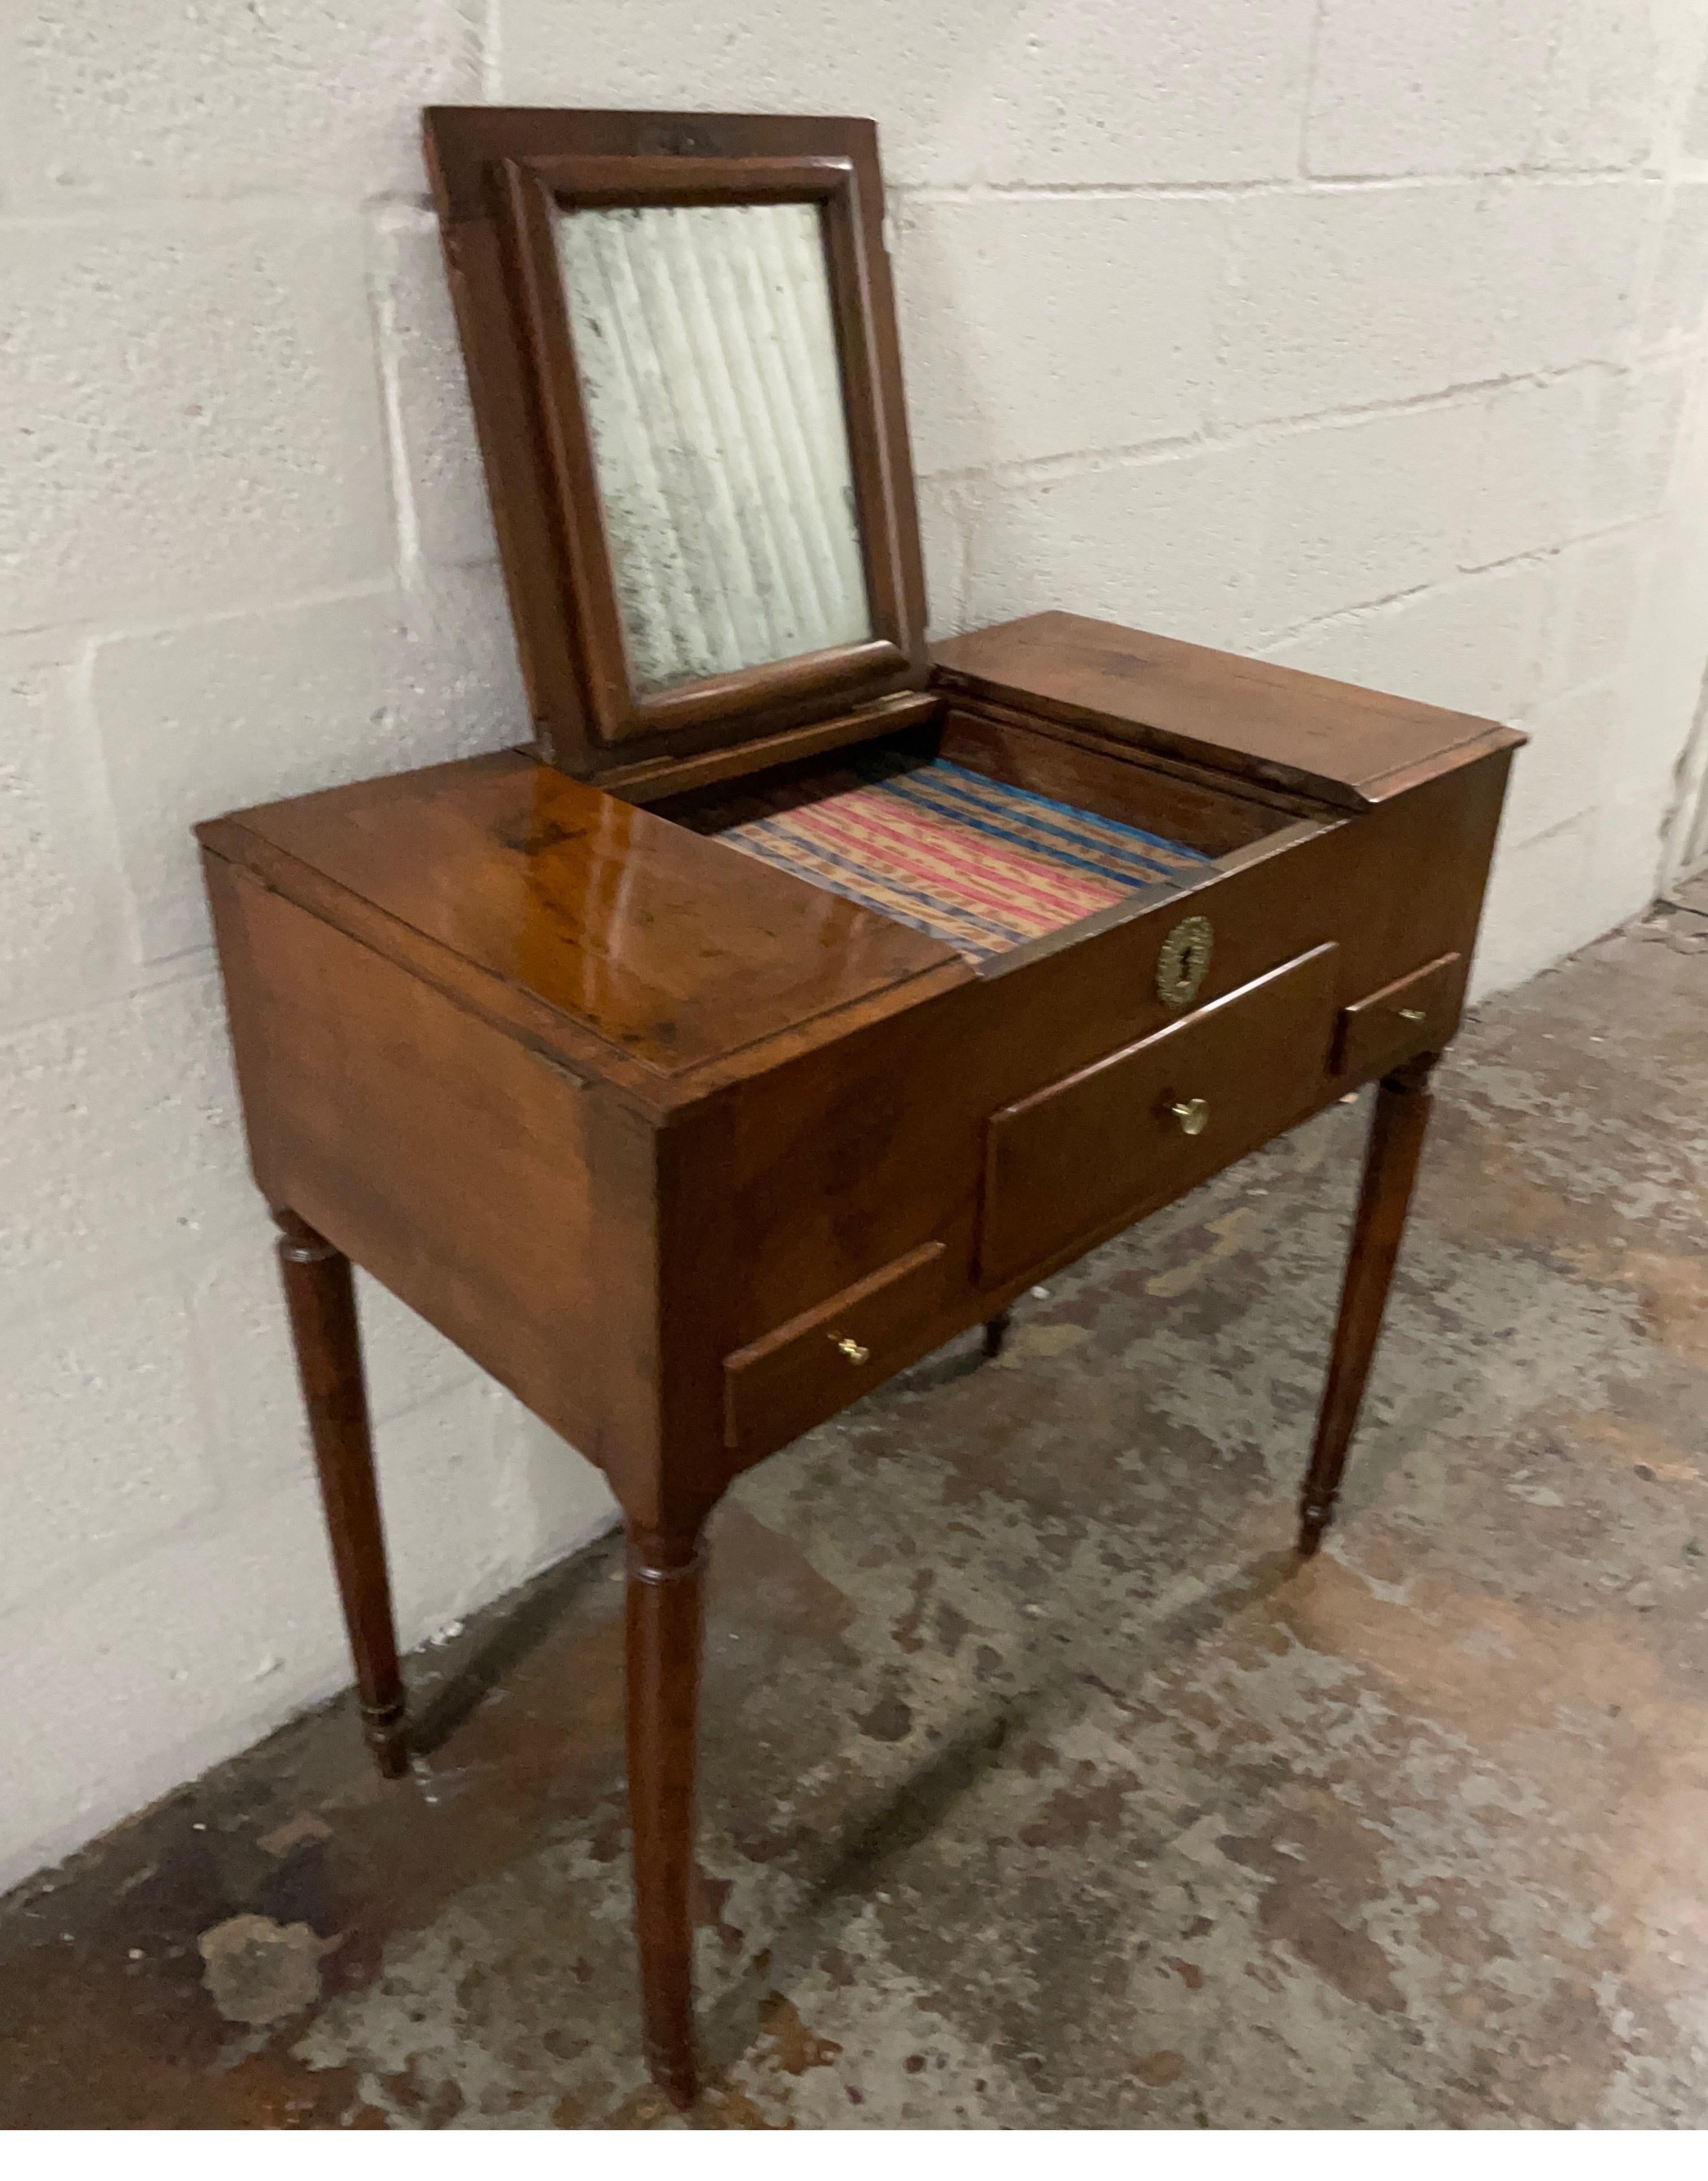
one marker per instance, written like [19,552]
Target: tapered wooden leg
[665,1614]
[995,1333]
[320,1296]
[1390,1167]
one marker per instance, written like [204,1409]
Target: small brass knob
[1410,1014]
[845,1344]
[1191,1113]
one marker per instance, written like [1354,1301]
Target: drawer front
[1418,1013]
[1152,1121]
[793,1377]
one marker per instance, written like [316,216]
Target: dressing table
[802,995]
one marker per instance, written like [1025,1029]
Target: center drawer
[1087,1155]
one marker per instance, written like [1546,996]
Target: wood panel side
[1200,817]
[436,1151]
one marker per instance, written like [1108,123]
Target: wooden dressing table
[692,1140]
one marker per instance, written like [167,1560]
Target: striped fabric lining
[972,861]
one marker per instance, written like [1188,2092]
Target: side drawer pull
[1406,1017]
[1191,1113]
[802,1371]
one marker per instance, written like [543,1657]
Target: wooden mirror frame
[499,174]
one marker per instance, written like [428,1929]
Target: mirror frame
[499,174]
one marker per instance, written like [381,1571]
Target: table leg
[995,1333]
[664,1618]
[1390,1167]
[320,1296]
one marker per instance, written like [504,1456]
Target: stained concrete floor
[1041,1787]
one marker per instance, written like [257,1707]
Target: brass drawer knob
[845,1344]
[1191,1113]
[1410,1014]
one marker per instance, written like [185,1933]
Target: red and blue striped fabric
[971,861]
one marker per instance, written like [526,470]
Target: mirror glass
[708,358]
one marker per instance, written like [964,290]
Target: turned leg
[995,1333]
[665,1613]
[320,1296]
[1390,1167]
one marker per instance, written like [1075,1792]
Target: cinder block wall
[1363,335]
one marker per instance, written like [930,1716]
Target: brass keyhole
[1184,962]
[1191,1113]
[845,1344]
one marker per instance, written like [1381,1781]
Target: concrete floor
[1042,1788]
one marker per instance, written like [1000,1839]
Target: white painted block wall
[1363,335]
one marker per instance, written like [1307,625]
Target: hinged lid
[681,340]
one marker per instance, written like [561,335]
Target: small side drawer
[780,1386]
[1142,1127]
[1418,1013]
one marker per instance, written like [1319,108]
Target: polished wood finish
[665,1617]
[1391,1167]
[689,1153]
[650,1128]
[320,1295]
[498,173]
[504,867]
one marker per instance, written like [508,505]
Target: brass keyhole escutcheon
[1191,1113]
[1184,962]
[845,1344]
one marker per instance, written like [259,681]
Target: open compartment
[990,833]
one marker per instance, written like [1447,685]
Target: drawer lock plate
[1184,962]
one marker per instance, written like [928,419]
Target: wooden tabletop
[674,948]
[1351,747]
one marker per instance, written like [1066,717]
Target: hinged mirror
[681,347]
